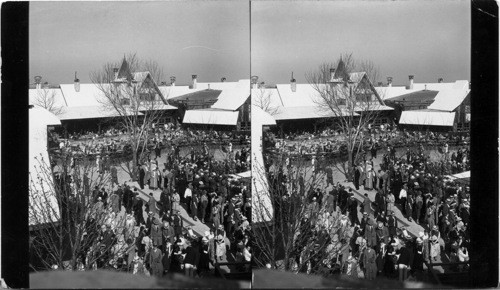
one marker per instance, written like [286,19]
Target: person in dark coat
[165,201]
[357,175]
[167,256]
[194,205]
[154,260]
[203,205]
[142,175]
[403,262]
[138,212]
[177,223]
[352,205]
[204,261]
[192,258]
[392,224]
[177,258]
[380,201]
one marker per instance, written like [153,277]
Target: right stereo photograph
[361,118]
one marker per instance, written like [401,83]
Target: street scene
[363,175]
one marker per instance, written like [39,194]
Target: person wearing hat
[369,262]
[203,205]
[434,248]
[177,223]
[220,248]
[352,207]
[390,199]
[168,233]
[382,233]
[192,258]
[154,261]
[156,233]
[188,195]
[204,261]
[176,199]
[370,234]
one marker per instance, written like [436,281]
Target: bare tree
[132,93]
[46,98]
[64,217]
[347,93]
[261,98]
[291,231]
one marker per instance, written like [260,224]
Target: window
[125,102]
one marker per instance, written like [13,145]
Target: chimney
[172,81]
[77,84]
[262,85]
[38,81]
[332,74]
[389,81]
[45,85]
[380,84]
[115,70]
[411,82]
[223,79]
[195,80]
[293,84]
[254,81]
[440,80]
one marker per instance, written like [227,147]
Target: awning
[211,117]
[427,118]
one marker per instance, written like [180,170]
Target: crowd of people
[139,234]
[415,184]
[328,141]
[115,141]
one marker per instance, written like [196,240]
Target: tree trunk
[349,172]
[133,171]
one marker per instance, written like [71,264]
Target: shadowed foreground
[108,279]
[280,279]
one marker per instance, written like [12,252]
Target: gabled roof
[450,99]
[233,97]
[89,95]
[418,96]
[203,95]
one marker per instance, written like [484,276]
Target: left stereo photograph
[139,145]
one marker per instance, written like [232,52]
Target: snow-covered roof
[89,95]
[449,99]
[264,118]
[88,112]
[304,95]
[38,96]
[427,118]
[234,97]
[211,117]
[306,112]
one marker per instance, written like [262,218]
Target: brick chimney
[195,81]
[293,84]
[172,81]
[389,81]
[410,77]
[38,82]
[77,84]
[440,80]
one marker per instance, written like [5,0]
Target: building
[430,106]
[93,106]
[297,106]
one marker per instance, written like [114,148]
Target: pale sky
[207,38]
[428,39]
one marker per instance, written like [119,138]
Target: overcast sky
[428,39]
[207,38]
